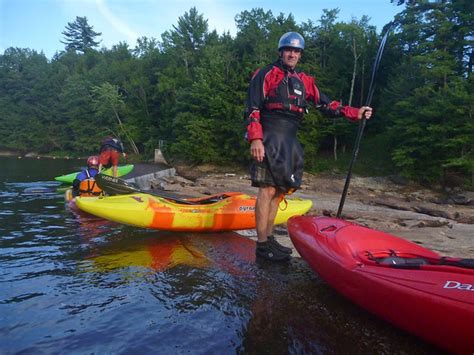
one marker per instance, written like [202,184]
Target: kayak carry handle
[330,228]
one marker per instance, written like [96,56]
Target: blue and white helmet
[291,40]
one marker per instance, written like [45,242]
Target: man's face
[290,56]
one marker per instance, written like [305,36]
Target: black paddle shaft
[116,186]
[370,94]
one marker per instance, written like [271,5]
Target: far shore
[20,155]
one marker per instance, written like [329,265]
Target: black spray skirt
[283,153]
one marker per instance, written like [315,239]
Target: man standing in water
[275,105]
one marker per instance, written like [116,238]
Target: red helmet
[93,161]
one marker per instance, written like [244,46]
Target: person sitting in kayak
[84,184]
[275,105]
[110,151]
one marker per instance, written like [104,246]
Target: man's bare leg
[265,211]
[274,203]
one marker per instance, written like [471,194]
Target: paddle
[401,262]
[355,152]
[466,263]
[115,186]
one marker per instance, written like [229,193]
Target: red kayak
[402,282]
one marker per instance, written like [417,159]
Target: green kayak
[122,170]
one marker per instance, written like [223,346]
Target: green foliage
[107,102]
[373,159]
[437,135]
[188,89]
[431,125]
[76,110]
[26,97]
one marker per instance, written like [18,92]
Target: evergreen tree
[431,119]
[79,35]
[27,96]
[188,38]
[75,107]
[208,126]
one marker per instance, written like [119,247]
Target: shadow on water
[74,283]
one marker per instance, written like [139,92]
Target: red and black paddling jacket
[276,90]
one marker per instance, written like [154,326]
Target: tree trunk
[361,103]
[122,127]
[143,99]
[470,63]
[354,70]
[55,143]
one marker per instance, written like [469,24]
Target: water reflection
[158,252]
[74,283]
[88,226]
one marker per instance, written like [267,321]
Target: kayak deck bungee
[400,281]
[220,212]
[121,171]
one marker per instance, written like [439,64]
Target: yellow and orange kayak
[221,212]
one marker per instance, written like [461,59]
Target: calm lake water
[72,284]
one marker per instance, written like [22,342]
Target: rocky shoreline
[437,221]
[444,223]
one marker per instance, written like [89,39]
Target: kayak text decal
[246,208]
[459,286]
[109,178]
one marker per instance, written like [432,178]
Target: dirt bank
[444,223]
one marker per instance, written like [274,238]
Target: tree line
[188,89]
